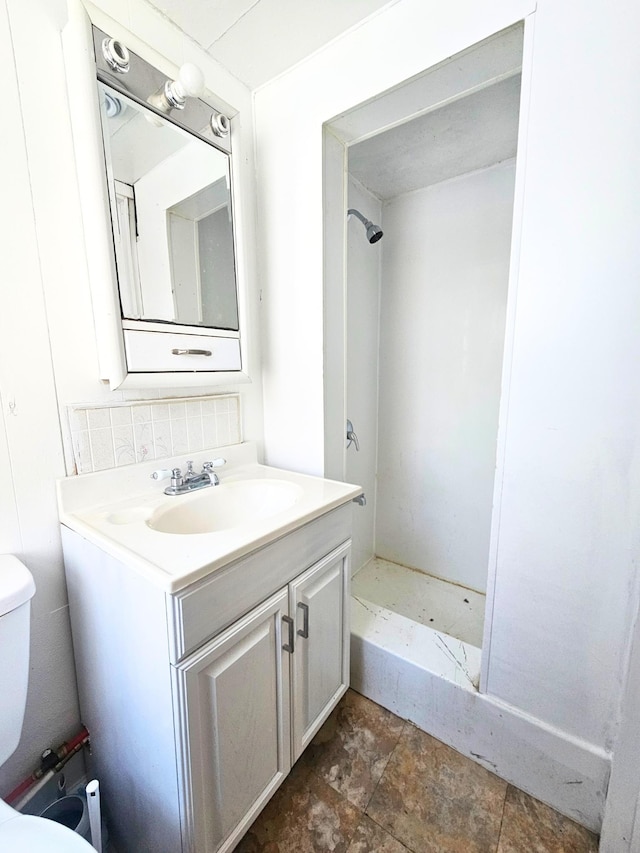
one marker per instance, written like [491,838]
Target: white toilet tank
[16,590]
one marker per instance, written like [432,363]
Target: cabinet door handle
[191,352]
[288,647]
[304,631]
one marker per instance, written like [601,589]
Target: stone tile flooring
[372,783]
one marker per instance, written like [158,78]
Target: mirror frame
[82,77]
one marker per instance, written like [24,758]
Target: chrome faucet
[182,484]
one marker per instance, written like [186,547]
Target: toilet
[21,833]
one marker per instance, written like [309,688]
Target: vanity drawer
[152,352]
[207,607]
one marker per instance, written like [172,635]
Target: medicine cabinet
[154,161]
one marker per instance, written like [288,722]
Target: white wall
[30,447]
[290,180]
[48,356]
[566,520]
[445,269]
[363,314]
[567,534]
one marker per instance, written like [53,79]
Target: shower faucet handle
[352,438]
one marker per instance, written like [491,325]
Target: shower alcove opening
[414,356]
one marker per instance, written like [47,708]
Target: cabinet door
[232,716]
[319,604]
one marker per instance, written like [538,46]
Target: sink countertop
[110,509]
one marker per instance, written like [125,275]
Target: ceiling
[470,133]
[258,39]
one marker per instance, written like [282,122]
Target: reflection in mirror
[171,215]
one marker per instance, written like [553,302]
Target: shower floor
[412,635]
[433,602]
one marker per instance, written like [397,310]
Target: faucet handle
[215,463]
[352,438]
[161,474]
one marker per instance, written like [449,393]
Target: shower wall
[443,296]
[363,298]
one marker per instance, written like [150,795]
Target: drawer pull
[304,631]
[191,352]
[288,647]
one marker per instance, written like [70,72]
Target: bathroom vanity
[206,661]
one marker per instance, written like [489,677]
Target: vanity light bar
[180,101]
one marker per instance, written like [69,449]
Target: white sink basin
[176,541]
[226,506]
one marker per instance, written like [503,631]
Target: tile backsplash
[110,436]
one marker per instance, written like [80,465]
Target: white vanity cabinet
[198,703]
[253,697]
[234,694]
[320,663]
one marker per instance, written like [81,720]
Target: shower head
[374,232]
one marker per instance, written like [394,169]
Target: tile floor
[373,783]
[431,601]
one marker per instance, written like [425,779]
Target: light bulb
[174,94]
[191,80]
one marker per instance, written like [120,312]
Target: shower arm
[353,212]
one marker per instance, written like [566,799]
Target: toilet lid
[28,834]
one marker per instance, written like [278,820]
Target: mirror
[169,290]
[171,215]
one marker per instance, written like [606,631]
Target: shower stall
[424,319]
